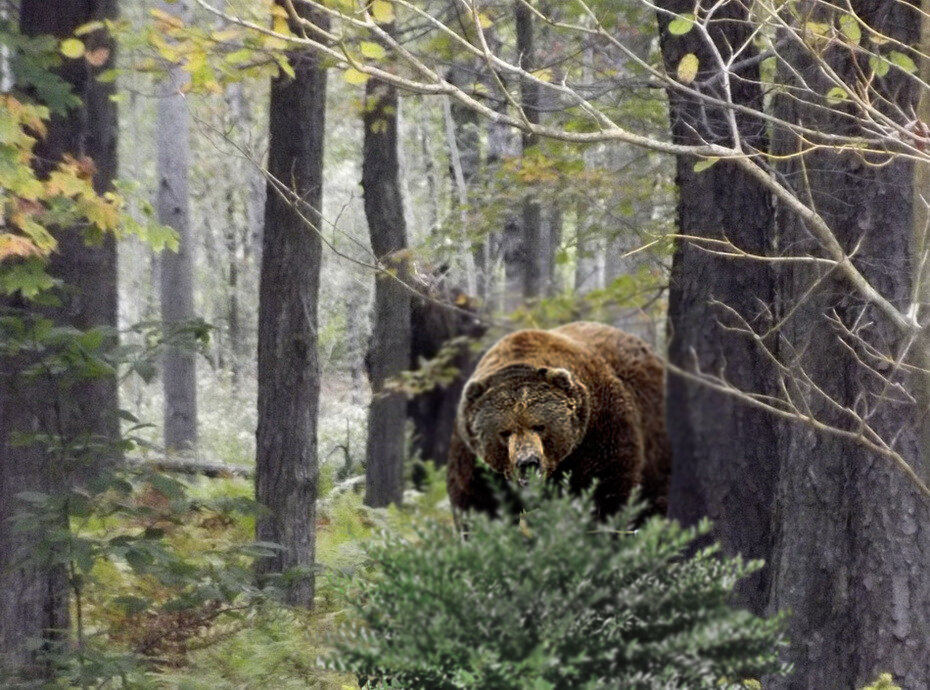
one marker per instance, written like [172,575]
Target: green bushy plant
[557,600]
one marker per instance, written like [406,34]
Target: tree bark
[724,452]
[288,358]
[532,249]
[853,543]
[507,242]
[465,159]
[389,348]
[34,604]
[179,373]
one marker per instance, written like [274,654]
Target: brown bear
[585,399]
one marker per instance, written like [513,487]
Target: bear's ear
[563,380]
[474,390]
[560,378]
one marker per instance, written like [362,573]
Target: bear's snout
[526,452]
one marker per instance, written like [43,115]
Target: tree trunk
[552,236]
[34,604]
[179,375]
[507,242]
[724,452]
[465,159]
[532,249]
[389,349]
[288,359]
[853,543]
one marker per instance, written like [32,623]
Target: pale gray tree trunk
[288,356]
[589,251]
[179,373]
[34,605]
[852,546]
[465,159]
[506,242]
[389,348]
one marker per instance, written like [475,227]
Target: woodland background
[250,251]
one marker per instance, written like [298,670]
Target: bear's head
[523,417]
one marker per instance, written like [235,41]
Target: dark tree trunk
[724,452]
[34,604]
[532,249]
[288,358]
[853,544]
[179,375]
[389,349]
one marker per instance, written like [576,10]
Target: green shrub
[556,601]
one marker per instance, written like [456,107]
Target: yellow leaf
[382,11]
[88,28]
[171,20]
[39,237]
[484,21]
[72,48]
[353,76]
[543,75]
[688,68]
[281,26]
[14,245]
[372,50]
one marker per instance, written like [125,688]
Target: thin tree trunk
[589,251]
[553,241]
[724,452]
[465,158]
[233,319]
[853,542]
[34,605]
[921,205]
[179,376]
[288,359]
[532,249]
[506,242]
[389,349]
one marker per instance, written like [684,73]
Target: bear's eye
[538,428]
[506,434]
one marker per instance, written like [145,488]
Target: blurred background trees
[331,208]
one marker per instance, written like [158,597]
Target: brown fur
[585,398]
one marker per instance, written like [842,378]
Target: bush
[556,601]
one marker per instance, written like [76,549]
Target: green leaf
[372,50]
[688,68]
[879,65]
[72,48]
[903,61]
[285,66]
[704,164]
[681,25]
[27,277]
[131,605]
[818,28]
[837,95]
[849,25]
